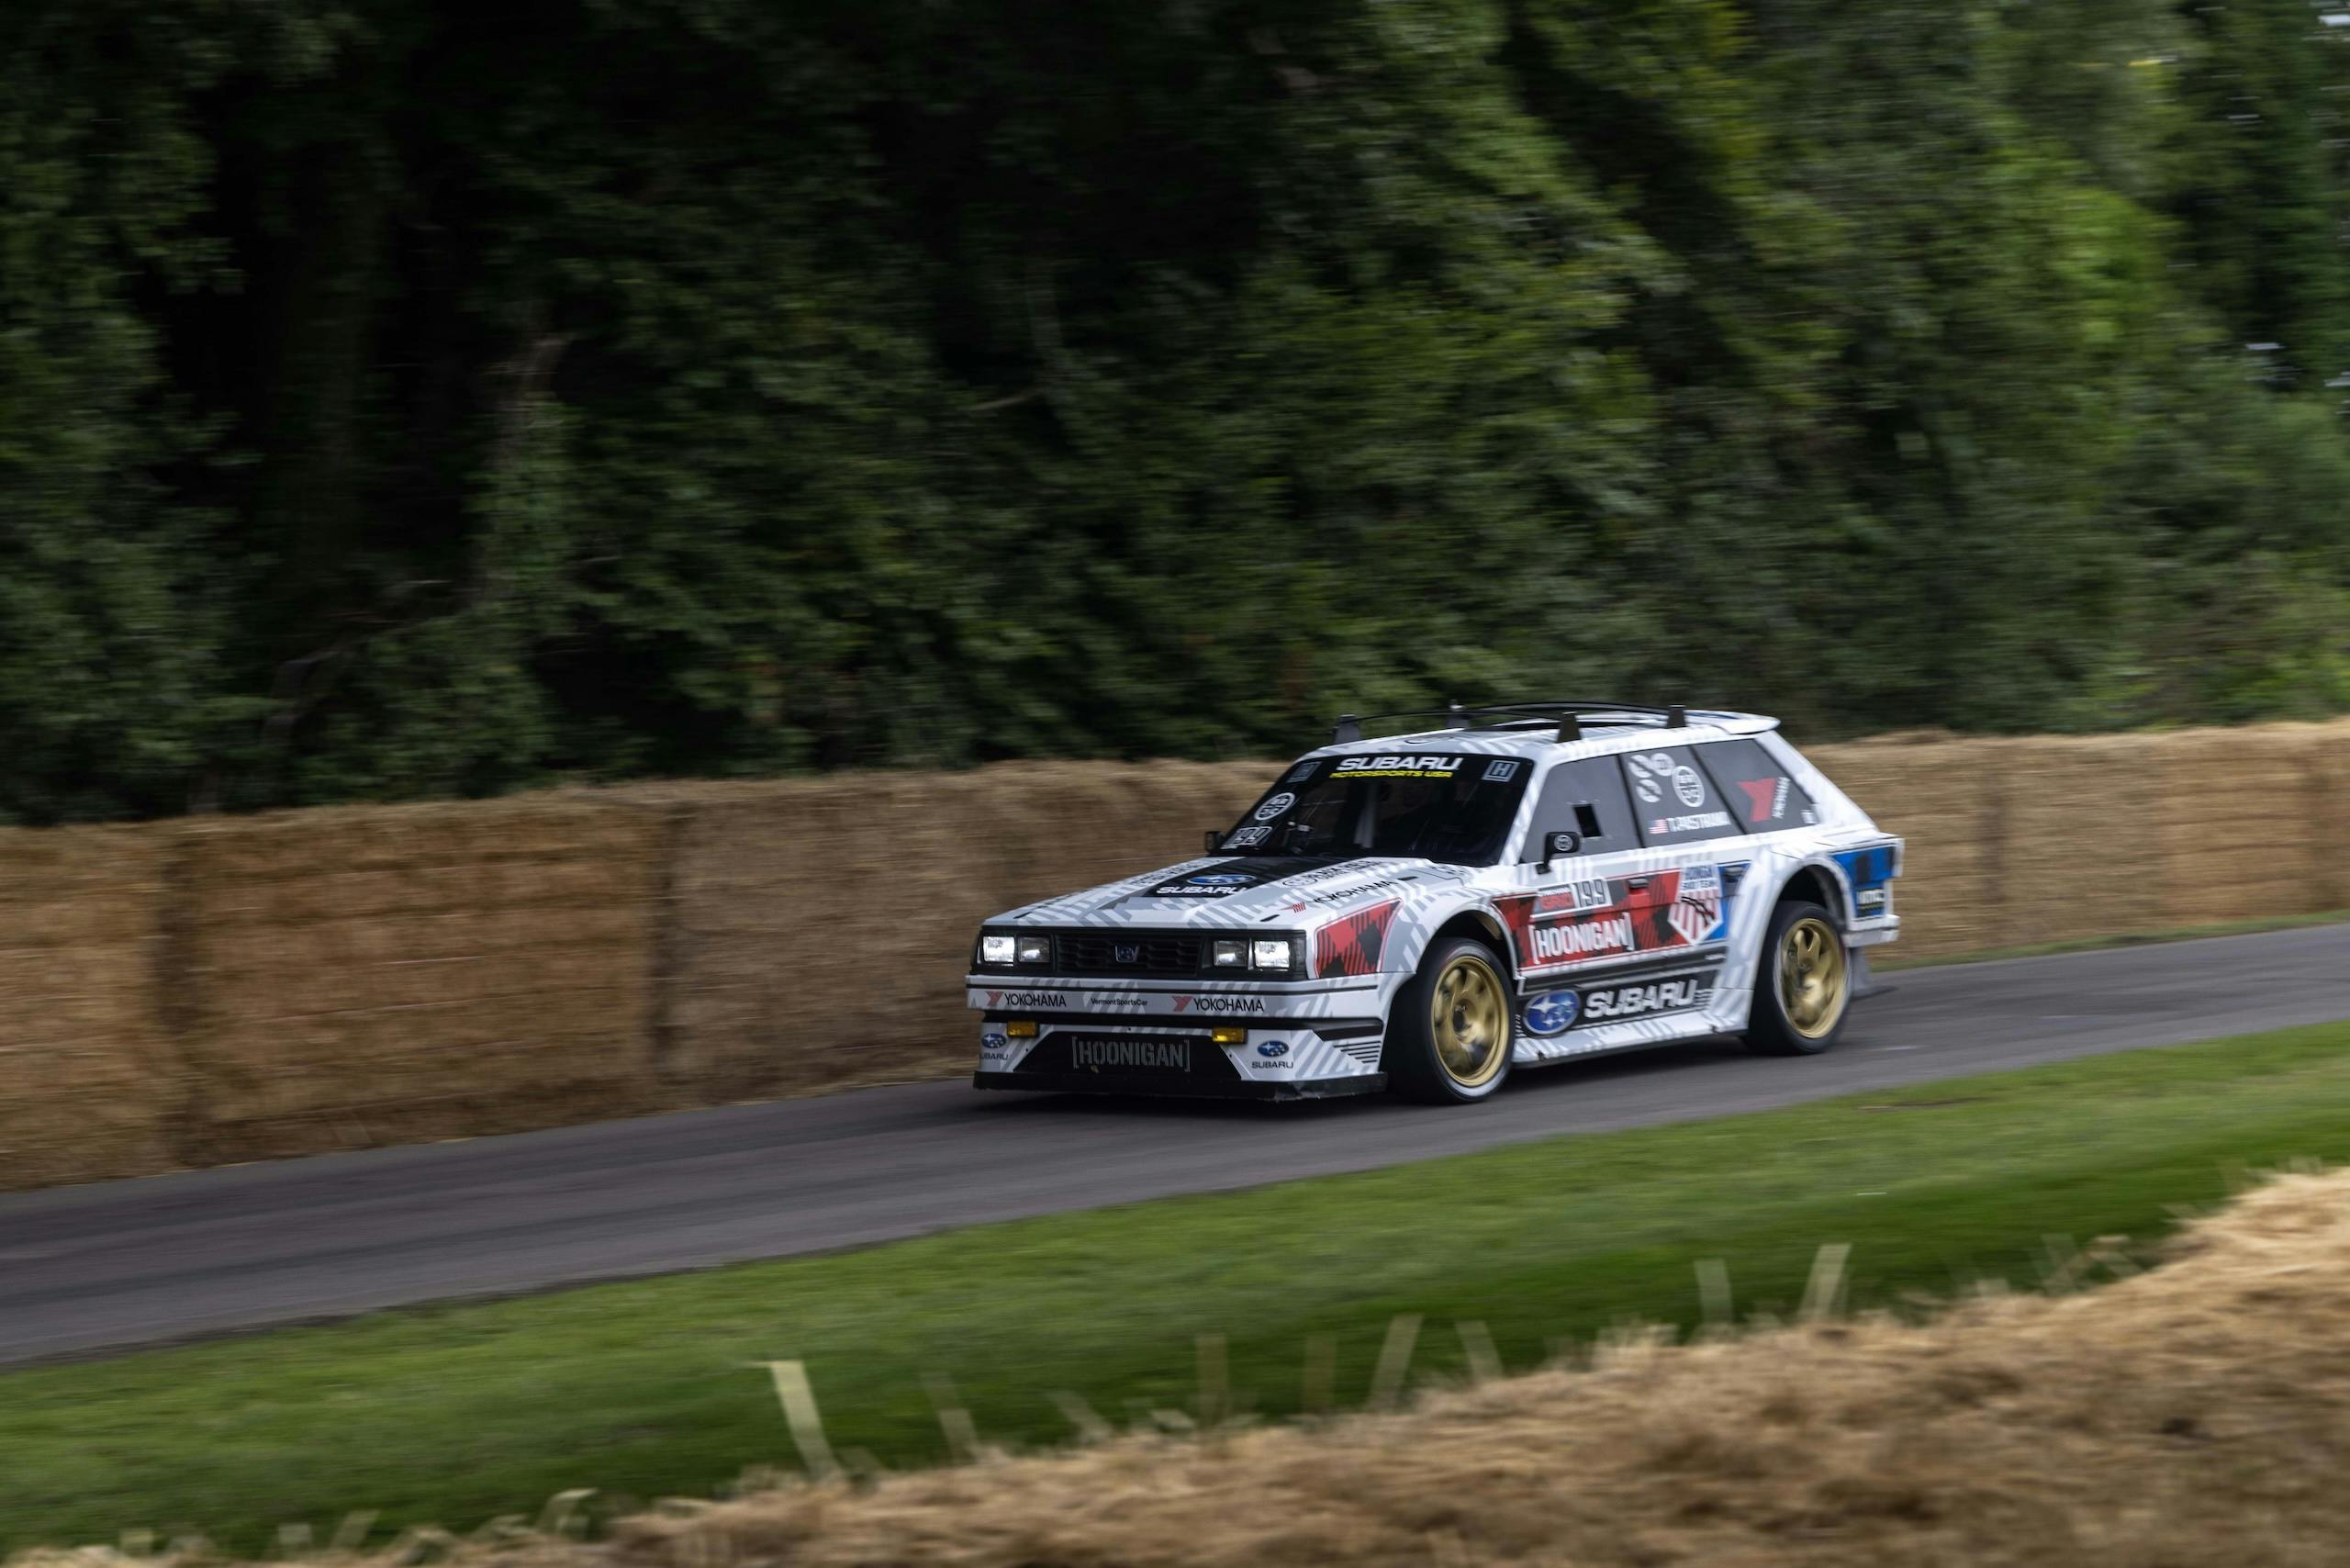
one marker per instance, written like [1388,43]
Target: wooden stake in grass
[420,1543]
[1395,1361]
[954,1420]
[351,1534]
[800,1413]
[294,1540]
[1091,1426]
[1826,1289]
[1321,1383]
[863,1464]
[1713,1292]
[1216,1379]
[563,1509]
[1477,1346]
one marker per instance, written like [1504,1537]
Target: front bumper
[1180,1088]
[1279,1041]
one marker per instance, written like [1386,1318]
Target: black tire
[1463,1057]
[1803,983]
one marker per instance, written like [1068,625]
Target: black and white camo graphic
[1227,895]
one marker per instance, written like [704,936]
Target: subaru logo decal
[1273,1048]
[1551,1013]
[1128,952]
[1224,879]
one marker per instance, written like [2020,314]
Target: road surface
[115,1264]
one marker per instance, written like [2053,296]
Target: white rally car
[1524,884]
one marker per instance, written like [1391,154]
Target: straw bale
[1942,799]
[793,898]
[2081,855]
[2244,824]
[516,933]
[422,888]
[556,825]
[2196,1414]
[397,972]
[88,1085]
[279,985]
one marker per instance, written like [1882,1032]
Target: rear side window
[1673,801]
[1761,793]
[1582,797]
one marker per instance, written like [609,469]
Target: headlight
[1273,954]
[1036,950]
[1230,955]
[997,950]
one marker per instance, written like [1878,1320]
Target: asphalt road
[92,1267]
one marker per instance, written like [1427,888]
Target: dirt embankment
[2197,1413]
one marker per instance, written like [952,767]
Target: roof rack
[1567,715]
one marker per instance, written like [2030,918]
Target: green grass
[1889,959]
[458,1414]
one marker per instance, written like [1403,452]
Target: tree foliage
[399,398]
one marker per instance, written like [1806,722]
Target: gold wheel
[1468,1018]
[1814,978]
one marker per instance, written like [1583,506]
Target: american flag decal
[1352,945]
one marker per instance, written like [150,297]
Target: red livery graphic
[1352,945]
[1658,912]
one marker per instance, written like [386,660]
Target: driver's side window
[1586,798]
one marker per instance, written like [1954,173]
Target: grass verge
[456,1415]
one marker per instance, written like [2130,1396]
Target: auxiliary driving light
[1231,955]
[1224,1035]
[1035,950]
[996,949]
[1272,955]
[1022,1028]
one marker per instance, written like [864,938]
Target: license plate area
[1125,1054]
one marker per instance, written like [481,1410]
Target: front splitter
[1174,1087]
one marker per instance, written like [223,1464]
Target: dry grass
[2195,1414]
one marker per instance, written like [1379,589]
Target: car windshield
[1456,808]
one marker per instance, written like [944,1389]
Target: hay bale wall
[200,992]
[824,925]
[373,975]
[88,1084]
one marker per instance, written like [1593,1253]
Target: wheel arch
[1476,921]
[1822,882]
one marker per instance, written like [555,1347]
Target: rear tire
[1803,983]
[1450,1035]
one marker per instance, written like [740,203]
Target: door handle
[1636,881]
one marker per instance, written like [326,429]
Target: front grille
[1126,953]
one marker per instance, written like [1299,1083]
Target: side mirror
[1215,837]
[1558,846]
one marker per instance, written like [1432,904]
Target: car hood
[1230,891]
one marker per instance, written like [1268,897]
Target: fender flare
[1478,915]
[1820,867]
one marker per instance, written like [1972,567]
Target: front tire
[1802,986]
[1449,1037]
